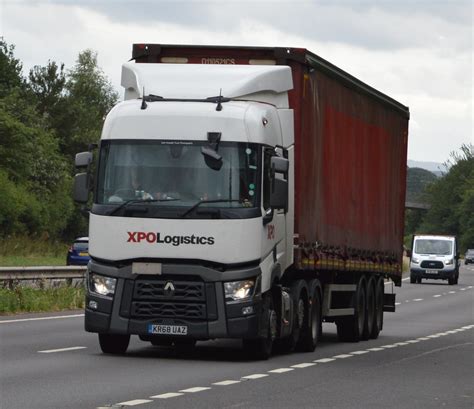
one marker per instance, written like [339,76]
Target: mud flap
[389,302]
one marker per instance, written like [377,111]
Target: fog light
[93,305]
[247,310]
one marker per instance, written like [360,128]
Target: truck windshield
[175,174]
[432,246]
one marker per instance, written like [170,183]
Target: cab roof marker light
[174,60]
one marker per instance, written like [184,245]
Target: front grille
[429,264]
[147,310]
[183,290]
[172,297]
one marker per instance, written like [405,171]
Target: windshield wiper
[137,201]
[197,204]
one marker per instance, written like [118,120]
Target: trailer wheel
[311,330]
[378,319]
[114,343]
[261,348]
[370,310]
[350,329]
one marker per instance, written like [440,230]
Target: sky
[419,52]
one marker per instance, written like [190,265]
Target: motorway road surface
[424,358]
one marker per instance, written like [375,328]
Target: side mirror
[81,187]
[279,165]
[279,195]
[83,159]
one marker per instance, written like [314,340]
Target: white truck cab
[434,257]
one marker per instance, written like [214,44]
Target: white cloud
[421,58]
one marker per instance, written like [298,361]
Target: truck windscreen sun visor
[175,174]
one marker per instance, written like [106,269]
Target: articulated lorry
[243,192]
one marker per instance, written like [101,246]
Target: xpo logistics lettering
[279,180]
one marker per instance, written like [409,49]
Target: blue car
[78,253]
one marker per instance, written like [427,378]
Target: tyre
[261,348]
[350,329]
[412,279]
[370,310]
[418,280]
[299,297]
[451,281]
[114,343]
[378,319]
[311,329]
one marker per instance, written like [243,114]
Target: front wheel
[261,348]
[114,343]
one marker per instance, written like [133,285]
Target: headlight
[102,285]
[449,262]
[415,260]
[240,290]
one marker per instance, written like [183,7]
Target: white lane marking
[50,351]
[324,360]
[135,402]
[343,356]
[397,303]
[167,395]
[195,389]
[303,365]
[437,295]
[281,370]
[452,292]
[255,376]
[470,287]
[41,318]
[418,299]
[225,383]
[463,289]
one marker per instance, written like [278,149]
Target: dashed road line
[135,402]
[324,360]
[226,383]
[437,295]
[51,351]
[167,395]
[303,365]
[195,389]
[281,370]
[255,376]
[286,369]
[418,299]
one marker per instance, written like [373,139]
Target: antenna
[144,104]
[219,100]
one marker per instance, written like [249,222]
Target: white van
[434,257]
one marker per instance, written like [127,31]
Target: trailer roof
[151,53]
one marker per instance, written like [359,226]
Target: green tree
[90,96]
[10,70]
[452,199]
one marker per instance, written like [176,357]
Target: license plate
[431,271]
[167,329]
[83,254]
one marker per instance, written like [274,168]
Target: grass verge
[32,251]
[24,299]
